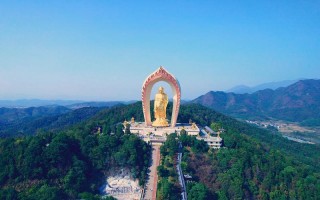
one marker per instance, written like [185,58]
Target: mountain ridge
[296,102]
[242,89]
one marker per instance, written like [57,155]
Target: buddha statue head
[161,90]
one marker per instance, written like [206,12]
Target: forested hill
[297,102]
[256,164]
[71,164]
[29,121]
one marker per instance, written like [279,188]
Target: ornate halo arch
[160,75]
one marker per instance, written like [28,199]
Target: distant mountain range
[25,103]
[97,104]
[296,102]
[9,115]
[243,89]
[73,104]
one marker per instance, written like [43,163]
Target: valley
[291,130]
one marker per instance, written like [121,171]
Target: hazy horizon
[154,90]
[103,51]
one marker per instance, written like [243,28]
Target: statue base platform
[158,135]
[141,129]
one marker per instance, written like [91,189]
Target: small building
[213,142]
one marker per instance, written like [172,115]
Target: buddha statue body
[160,106]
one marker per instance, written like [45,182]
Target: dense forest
[254,163]
[71,163]
[305,153]
[249,171]
[168,186]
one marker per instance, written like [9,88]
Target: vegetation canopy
[71,163]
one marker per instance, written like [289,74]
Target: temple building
[157,130]
[214,142]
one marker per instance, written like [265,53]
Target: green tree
[197,191]
[45,192]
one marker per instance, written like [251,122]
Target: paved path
[151,187]
[180,174]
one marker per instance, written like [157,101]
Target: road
[151,187]
[180,174]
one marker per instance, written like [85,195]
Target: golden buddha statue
[160,106]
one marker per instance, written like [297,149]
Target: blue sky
[103,50]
